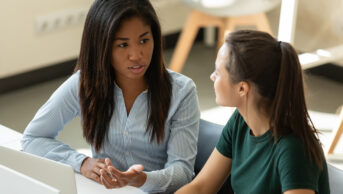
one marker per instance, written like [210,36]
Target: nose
[135,53]
[213,77]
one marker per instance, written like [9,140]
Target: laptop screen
[14,182]
[55,174]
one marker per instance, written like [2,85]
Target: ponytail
[289,111]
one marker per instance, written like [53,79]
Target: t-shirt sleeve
[294,167]
[224,145]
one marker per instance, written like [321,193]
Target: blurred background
[40,42]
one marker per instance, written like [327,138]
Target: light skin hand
[113,178]
[210,178]
[299,191]
[91,167]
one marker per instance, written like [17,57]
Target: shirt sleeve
[224,145]
[39,137]
[181,150]
[294,167]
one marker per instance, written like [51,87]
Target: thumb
[137,168]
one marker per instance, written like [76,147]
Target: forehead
[133,25]
[222,56]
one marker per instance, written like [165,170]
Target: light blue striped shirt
[168,165]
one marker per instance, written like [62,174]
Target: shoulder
[294,167]
[184,99]
[70,87]
[181,83]
[236,121]
[290,143]
[291,151]
[73,80]
[75,77]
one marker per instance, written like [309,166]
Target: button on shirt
[168,165]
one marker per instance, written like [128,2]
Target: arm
[39,136]
[181,147]
[299,191]
[211,176]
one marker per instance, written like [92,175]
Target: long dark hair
[97,77]
[274,68]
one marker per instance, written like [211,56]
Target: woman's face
[132,49]
[227,93]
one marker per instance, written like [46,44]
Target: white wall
[318,24]
[22,49]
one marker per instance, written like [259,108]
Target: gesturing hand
[113,178]
[91,167]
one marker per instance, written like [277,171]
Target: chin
[223,103]
[218,102]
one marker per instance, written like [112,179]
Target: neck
[132,86]
[257,120]
[131,89]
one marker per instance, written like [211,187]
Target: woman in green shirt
[269,145]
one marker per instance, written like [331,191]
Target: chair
[208,13]
[209,134]
[335,179]
[337,134]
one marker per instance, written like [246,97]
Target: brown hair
[274,68]
[97,77]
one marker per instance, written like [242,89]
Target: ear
[243,88]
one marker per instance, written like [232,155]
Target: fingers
[108,162]
[106,180]
[105,183]
[109,182]
[100,164]
[114,172]
[95,177]
[91,168]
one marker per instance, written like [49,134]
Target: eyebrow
[140,36]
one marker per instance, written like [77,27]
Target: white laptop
[13,182]
[55,174]
[52,173]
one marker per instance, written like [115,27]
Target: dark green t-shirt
[260,166]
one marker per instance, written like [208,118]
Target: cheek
[117,58]
[149,51]
[218,87]
[224,94]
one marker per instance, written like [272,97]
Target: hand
[91,167]
[113,178]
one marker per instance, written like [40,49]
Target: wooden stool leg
[259,20]
[337,134]
[185,42]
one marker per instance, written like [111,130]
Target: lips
[136,68]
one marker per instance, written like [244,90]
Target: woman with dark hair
[133,110]
[269,145]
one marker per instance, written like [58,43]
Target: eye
[144,40]
[123,45]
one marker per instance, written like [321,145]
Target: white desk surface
[10,138]
[87,186]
